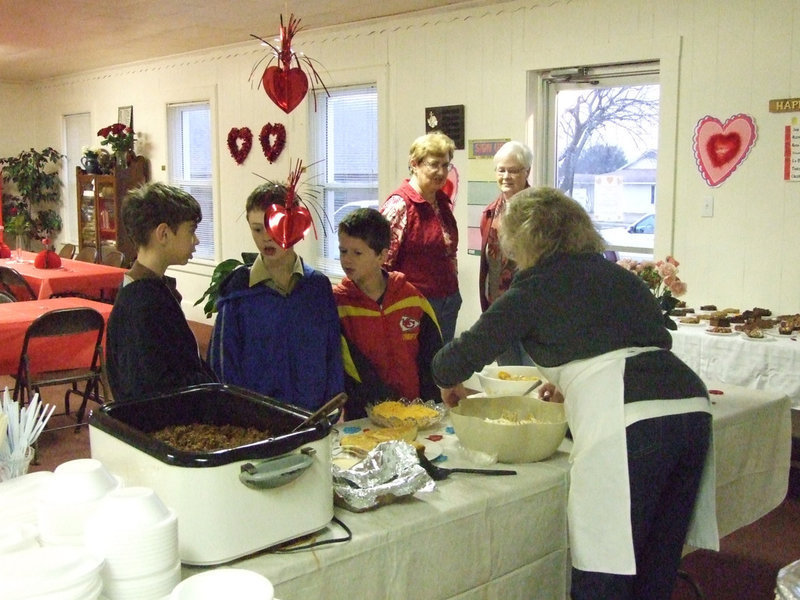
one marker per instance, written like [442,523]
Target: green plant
[221,271]
[37,185]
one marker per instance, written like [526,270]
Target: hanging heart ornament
[285,87]
[287,227]
[272,149]
[719,148]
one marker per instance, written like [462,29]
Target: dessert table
[506,537]
[74,350]
[86,278]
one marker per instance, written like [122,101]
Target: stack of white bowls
[137,536]
[69,497]
[241,584]
[50,573]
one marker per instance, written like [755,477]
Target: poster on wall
[447,119]
[719,148]
[791,151]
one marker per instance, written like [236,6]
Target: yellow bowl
[475,421]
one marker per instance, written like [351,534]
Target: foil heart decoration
[285,87]
[719,148]
[287,227]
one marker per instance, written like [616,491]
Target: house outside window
[601,148]
[190,165]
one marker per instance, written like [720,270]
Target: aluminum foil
[390,471]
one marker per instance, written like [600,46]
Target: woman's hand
[453,395]
[549,393]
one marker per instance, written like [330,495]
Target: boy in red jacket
[390,330]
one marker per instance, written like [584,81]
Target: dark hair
[369,225]
[266,194]
[151,204]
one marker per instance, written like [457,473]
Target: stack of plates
[137,536]
[68,497]
[53,572]
[18,496]
[17,536]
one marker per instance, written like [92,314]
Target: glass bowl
[394,413]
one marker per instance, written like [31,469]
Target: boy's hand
[453,395]
[549,393]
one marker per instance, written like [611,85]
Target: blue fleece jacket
[285,347]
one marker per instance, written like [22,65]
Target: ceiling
[47,38]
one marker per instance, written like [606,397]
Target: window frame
[205,97]
[328,262]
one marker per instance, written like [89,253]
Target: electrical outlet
[708,207]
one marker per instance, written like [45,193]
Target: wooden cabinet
[99,206]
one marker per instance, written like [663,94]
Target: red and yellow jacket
[387,348]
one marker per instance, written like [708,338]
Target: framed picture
[125,115]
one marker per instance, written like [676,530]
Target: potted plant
[38,190]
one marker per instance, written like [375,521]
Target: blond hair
[432,144]
[540,222]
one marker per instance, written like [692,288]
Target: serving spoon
[439,473]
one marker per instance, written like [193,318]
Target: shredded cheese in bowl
[392,413]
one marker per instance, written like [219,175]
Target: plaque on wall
[447,119]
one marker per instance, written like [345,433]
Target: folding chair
[87,254]
[112,258]
[67,251]
[6,297]
[54,325]
[13,283]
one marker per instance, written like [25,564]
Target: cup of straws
[20,427]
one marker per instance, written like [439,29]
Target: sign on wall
[447,119]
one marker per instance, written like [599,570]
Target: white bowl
[147,587]
[78,481]
[241,584]
[16,536]
[39,571]
[511,443]
[523,377]
[130,508]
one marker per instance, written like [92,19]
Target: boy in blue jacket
[277,331]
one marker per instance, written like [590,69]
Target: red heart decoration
[720,148]
[272,150]
[240,152]
[5,251]
[285,87]
[287,228]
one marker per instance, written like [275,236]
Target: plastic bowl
[511,443]
[130,508]
[224,583]
[79,480]
[494,385]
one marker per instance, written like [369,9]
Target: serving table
[87,278]
[772,364]
[71,351]
[506,537]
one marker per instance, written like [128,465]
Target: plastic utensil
[439,473]
[536,384]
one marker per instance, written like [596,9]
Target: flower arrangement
[90,152]
[118,136]
[18,224]
[662,279]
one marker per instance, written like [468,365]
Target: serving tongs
[439,473]
[323,411]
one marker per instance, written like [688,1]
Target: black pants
[665,462]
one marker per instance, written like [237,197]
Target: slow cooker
[230,503]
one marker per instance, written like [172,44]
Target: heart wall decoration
[719,148]
[272,149]
[240,141]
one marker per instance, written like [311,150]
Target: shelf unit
[99,206]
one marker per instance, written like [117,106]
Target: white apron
[598,506]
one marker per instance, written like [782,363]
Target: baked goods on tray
[369,438]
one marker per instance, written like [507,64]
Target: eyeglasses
[509,171]
[435,166]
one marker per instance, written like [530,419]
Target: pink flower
[666,269]
[678,288]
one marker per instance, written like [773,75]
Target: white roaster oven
[230,503]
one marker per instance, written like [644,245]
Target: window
[189,133]
[344,132]
[602,140]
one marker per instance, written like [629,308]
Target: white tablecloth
[772,365]
[506,537]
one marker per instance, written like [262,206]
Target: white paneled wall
[719,58]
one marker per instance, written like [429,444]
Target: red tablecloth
[73,276]
[70,351]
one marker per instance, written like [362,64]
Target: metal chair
[6,297]
[67,251]
[54,326]
[112,258]
[15,284]
[87,254]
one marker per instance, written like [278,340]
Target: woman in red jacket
[424,231]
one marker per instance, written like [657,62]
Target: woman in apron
[641,462]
